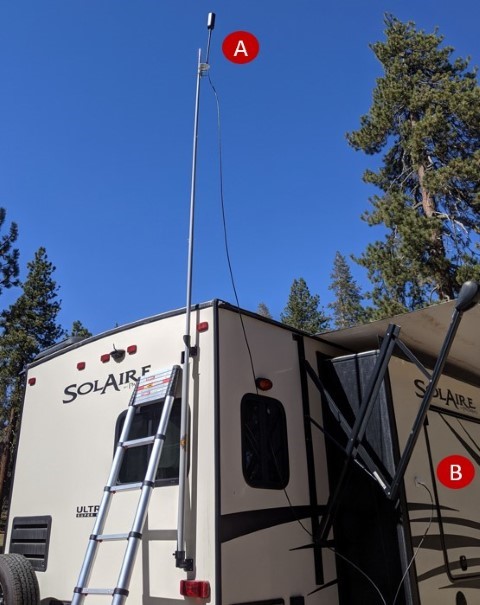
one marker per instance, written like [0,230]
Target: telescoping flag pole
[181,560]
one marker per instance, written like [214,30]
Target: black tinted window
[264,442]
[135,460]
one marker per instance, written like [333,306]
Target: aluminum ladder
[153,388]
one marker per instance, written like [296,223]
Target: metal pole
[181,561]
[182,472]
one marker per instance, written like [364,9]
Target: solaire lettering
[101,386]
[447,396]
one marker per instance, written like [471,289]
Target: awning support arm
[359,428]
[468,297]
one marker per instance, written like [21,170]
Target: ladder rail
[131,550]
[99,525]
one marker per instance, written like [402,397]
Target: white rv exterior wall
[66,449]
[262,565]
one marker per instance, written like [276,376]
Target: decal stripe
[439,571]
[236,525]
[267,602]
[463,584]
[327,585]
[451,541]
[467,446]
[419,506]
[451,520]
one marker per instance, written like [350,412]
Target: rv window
[264,442]
[135,460]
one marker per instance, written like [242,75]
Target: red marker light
[81,365]
[195,588]
[202,326]
[132,349]
[263,384]
[104,358]
[32,381]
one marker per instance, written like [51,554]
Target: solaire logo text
[447,397]
[102,386]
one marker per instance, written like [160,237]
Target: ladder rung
[139,404]
[111,537]
[125,487]
[100,591]
[138,442]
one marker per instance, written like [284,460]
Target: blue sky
[96,122]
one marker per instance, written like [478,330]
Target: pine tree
[8,255]
[262,309]
[78,329]
[347,307]
[426,113]
[28,326]
[302,309]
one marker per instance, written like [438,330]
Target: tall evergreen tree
[347,306]
[262,309]
[28,326]
[78,329]
[426,113]
[303,309]
[8,255]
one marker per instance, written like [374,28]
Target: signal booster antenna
[181,560]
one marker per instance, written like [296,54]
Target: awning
[423,332]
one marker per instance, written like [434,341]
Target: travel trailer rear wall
[262,465]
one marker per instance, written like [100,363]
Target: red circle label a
[240,47]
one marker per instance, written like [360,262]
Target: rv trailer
[271,420]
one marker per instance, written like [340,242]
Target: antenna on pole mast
[189,351]
[210,27]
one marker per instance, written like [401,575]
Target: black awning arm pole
[359,426]
[468,297]
[409,355]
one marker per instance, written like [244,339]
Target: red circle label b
[455,472]
[240,47]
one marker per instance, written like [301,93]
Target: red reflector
[105,358]
[81,365]
[32,381]
[132,349]
[202,326]
[264,384]
[195,588]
